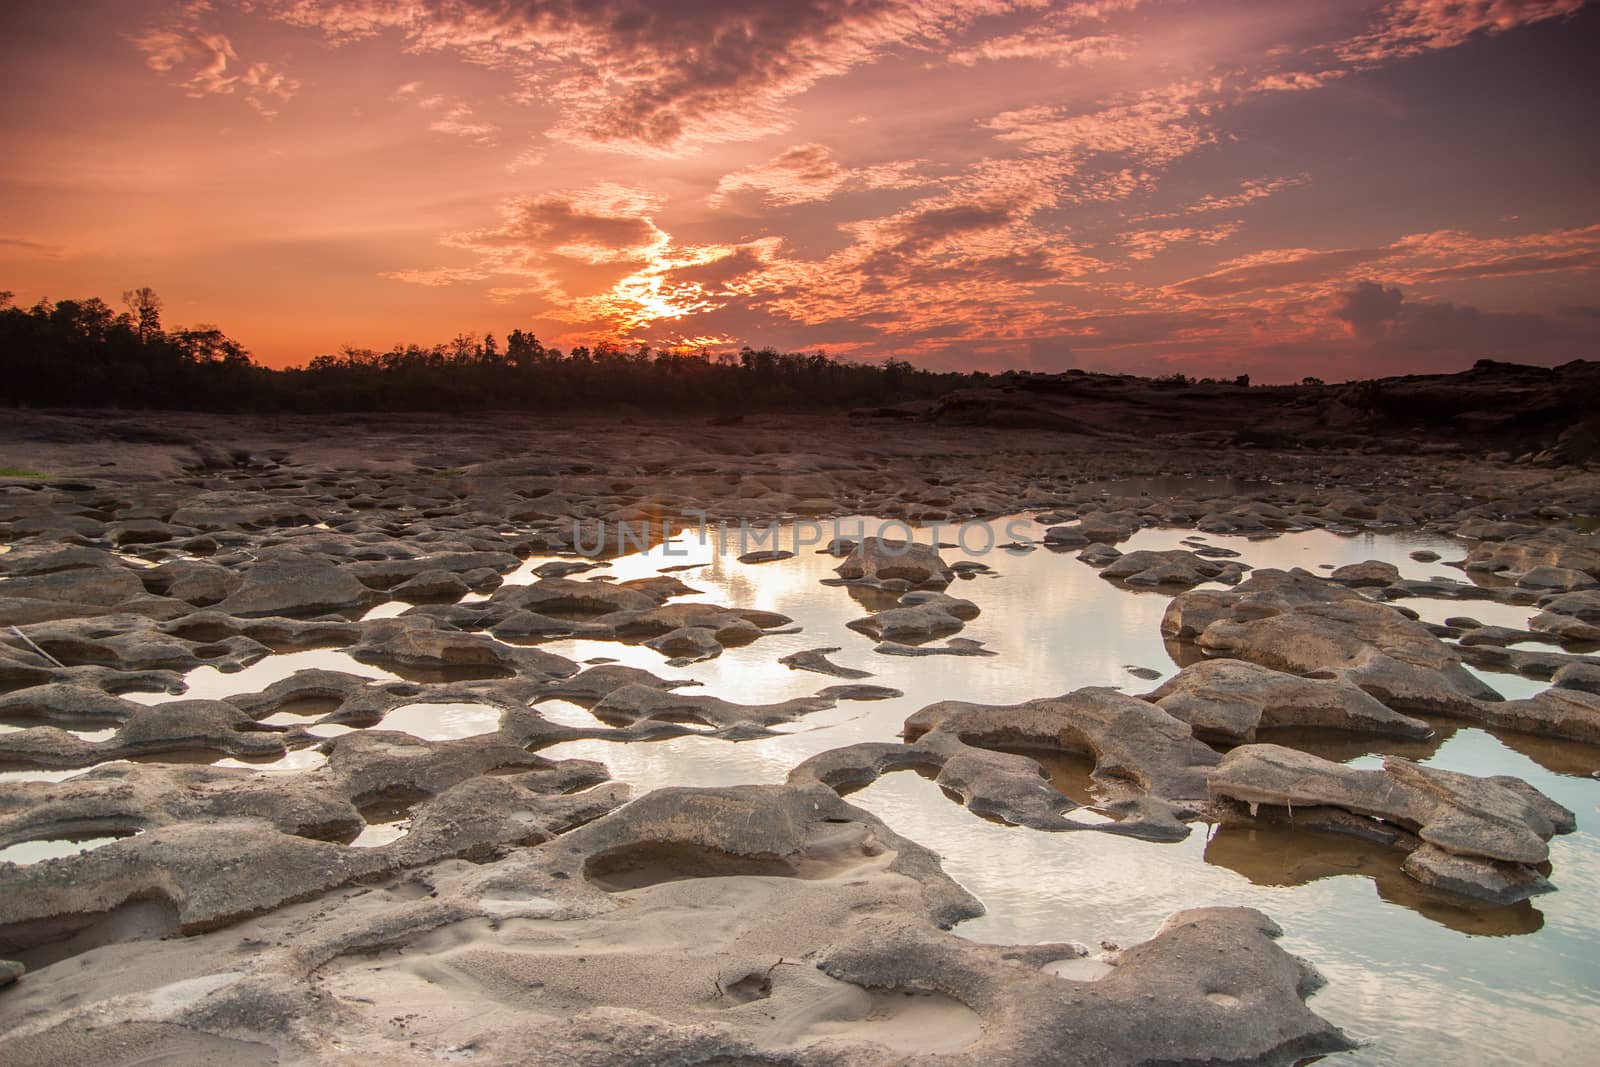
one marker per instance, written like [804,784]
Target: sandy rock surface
[377,862]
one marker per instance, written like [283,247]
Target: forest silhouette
[86,353]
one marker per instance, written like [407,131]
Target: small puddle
[26,852]
[39,774]
[104,733]
[566,713]
[442,722]
[208,683]
[302,712]
[302,759]
[1511,686]
[1488,612]
[1070,773]
[388,820]
[1082,969]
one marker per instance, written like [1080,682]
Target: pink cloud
[1062,51]
[1144,244]
[206,63]
[1279,270]
[652,77]
[1408,27]
[1249,192]
[807,173]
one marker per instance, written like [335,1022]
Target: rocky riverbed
[796,740]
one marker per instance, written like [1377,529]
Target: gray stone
[1483,824]
[1231,700]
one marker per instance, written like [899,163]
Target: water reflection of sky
[208,683]
[1428,978]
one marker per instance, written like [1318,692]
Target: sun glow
[654,295]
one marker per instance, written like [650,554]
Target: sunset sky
[1210,186]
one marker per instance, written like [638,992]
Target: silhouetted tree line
[83,353]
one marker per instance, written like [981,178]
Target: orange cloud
[206,63]
[807,173]
[652,77]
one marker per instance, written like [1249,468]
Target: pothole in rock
[102,733]
[464,672]
[296,712]
[303,759]
[15,773]
[208,683]
[49,848]
[754,986]
[648,863]
[442,722]
[567,713]
[1510,686]
[1070,774]
[1079,968]
[902,1020]
[388,819]
[652,863]
[140,918]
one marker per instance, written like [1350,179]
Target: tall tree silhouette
[145,307]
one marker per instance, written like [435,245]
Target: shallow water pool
[1422,976]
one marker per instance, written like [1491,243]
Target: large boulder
[1370,574]
[921,616]
[99,586]
[294,588]
[1479,836]
[1522,554]
[1108,527]
[1295,622]
[876,560]
[415,644]
[1547,579]
[1564,710]
[1172,569]
[1148,770]
[1573,616]
[192,581]
[1230,700]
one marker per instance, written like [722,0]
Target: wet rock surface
[1176,569]
[832,908]
[1477,836]
[383,860]
[1147,767]
[1294,622]
[816,659]
[885,563]
[1230,701]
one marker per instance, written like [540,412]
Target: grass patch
[21,472]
